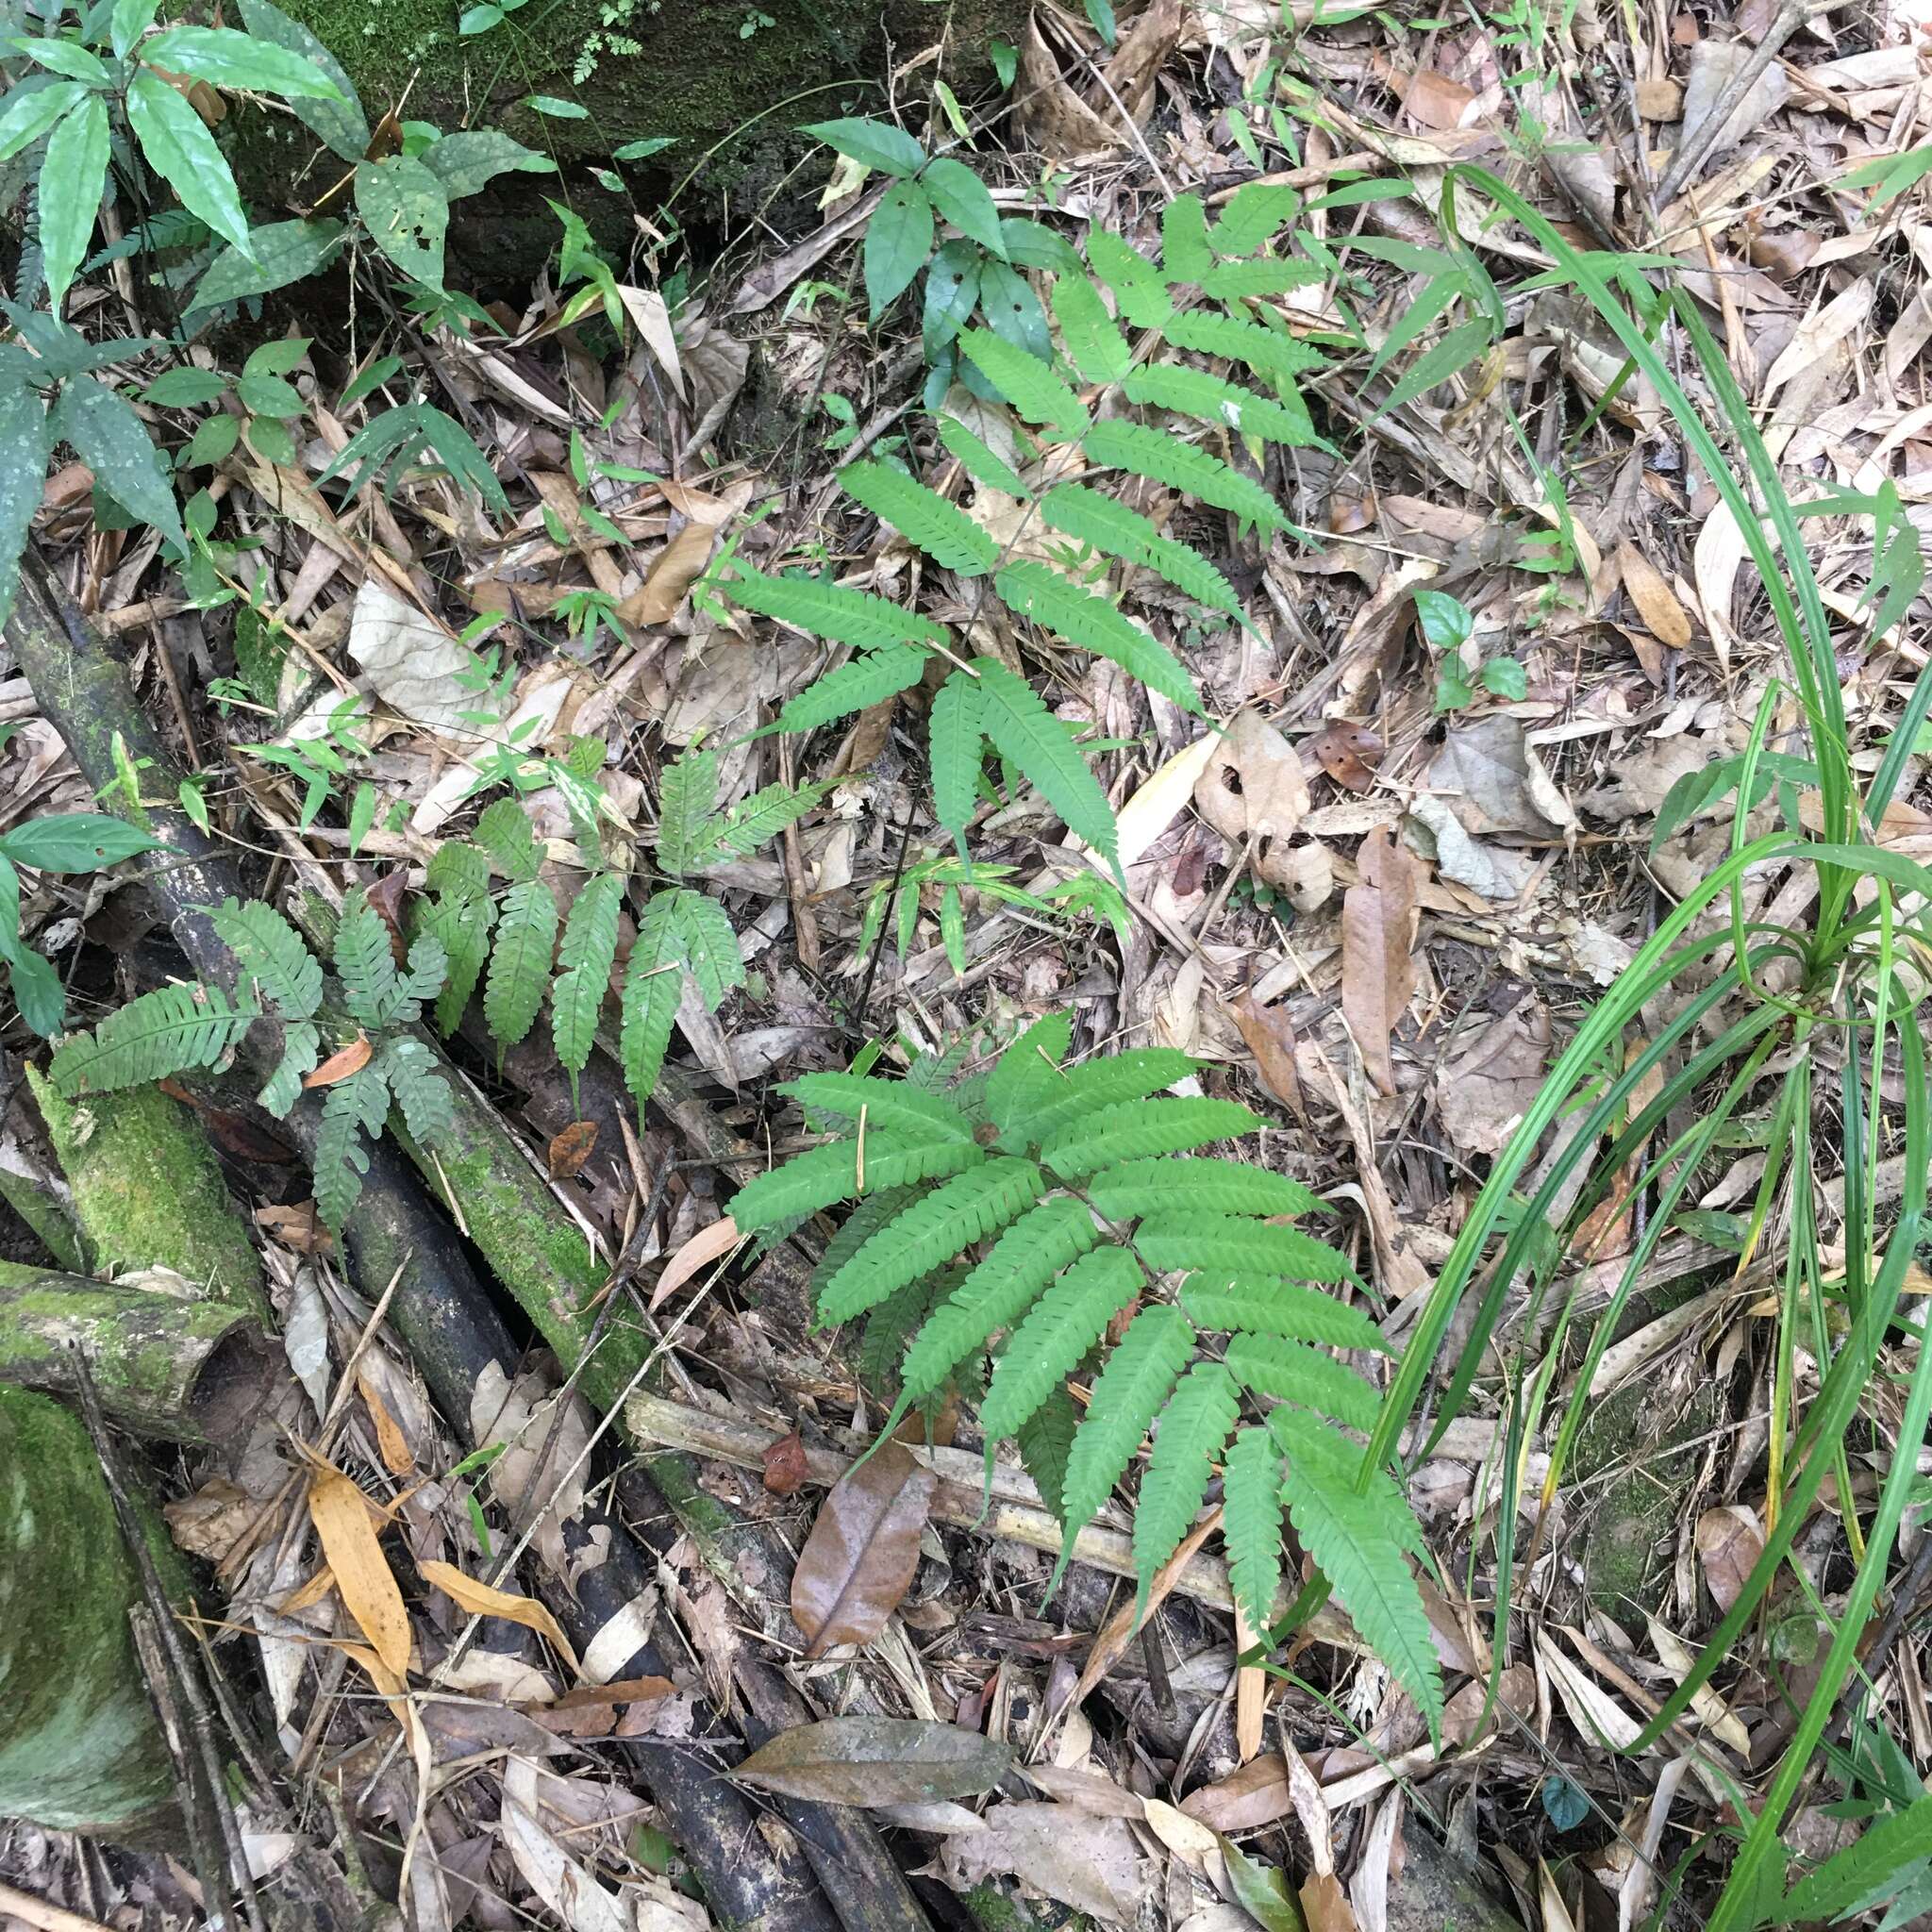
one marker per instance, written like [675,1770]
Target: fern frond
[171,1030]
[300,1049]
[706,945]
[958,727]
[459,869]
[1028,1070]
[766,813]
[504,831]
[821,1175]
[520,961]
[1271,355]
[1269,1365]
[1185,256]
[1098,349]
[1236,282]
[1000,1289]
[586,957]
[1251,1522]
[1255,1305]
[894,1104]
[1102,1081]
[1025,384]
[980,460]
[687,804]
[365,964]
[1255,212]
[408,1068]
[1164,459]
[350,1110]
[929,522]
[830,610]
[1197,1420]
[1111,527]
[463,925]
[1046,1440]
[1091,623]
[927,1235]
[1210,399]
[1228,1244]
[864,1221]
[1128,1395]
[1137,1128]
[273,955]
[1064,1324]
[888,1329]
[1025,732]
[1197,1184]
[853,686]
[652,986]
[1357,1540]
[427,969]
[1138,290]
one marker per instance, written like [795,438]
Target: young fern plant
[1827,1001]
[1108,406]
[179,1028]
[516,943]
[1025,1216]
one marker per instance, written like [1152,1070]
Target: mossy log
[182,1371]
[79,1746]
[148,1192]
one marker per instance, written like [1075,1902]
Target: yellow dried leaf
[398,1457]
[482,1600]
[1665,617]
[340,1514]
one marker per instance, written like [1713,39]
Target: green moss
[148,1192]
[43,1214]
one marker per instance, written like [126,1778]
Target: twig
[1789,17]
[37,1913]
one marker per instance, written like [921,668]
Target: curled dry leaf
[342,1063]
[1378,914]
[785,1467]
[485,1600]
[1729,1543]
[570,1149]
[1252,785]
[1657,603]
[340,1514]
[1347,753]
[877,1760]
[1270,1038]
[863,1551]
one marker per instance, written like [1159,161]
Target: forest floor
[1392,1038]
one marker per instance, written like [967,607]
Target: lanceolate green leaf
[586,957]
[1091,623]
[1197,1420]
[466,162]
[1033,390]
[113,442]
[520,961]
[29,112]
[27,439]
[1133,1129]
[1088,517]
[1165,459]
[407,214]
[963,198]
[70,181]
[1067,1320]
[829,611]
[1437,364]
[898,239]
[958,715]
[894,1104]
[940,528]
[876,144]
[342,122]
[1098,349]
[866,680]
[181,150]
[1208,399]
[1023,731]
[238,60]
[1251,1523]
[283,252]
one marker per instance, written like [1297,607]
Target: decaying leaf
[878,1761]
[1656,602]
[860,1560]
[571,1148]
[785,1467]
[1378,915]
[1270,1038]
[716,1239]
[1092,1864]
[485,1600]
[1484,1089]
[340,1514]
[342,1063]
[1729,1542]
[1252,785]
[411,661]
[1246,1800]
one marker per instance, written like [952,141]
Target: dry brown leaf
[340,1514]
[1656,602]
[786,1464]
[1325,1906]
[570,1148]
[1729,1542]
[213,1521]
[1092,1864]
[1346,753]
[603,1710]
[1434,100]
[863,1551]
[672,571]
[1820,333]
[1485,1090]
[704,1246]
[296,1226]
[1378,917]
[1252,785]
[1270,1037]
[340,1064]
[393,1446]
[1254,1795]
[1084,1790]
[485,1600]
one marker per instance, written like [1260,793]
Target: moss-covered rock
[148,1191]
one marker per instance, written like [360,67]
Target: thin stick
[1689,157]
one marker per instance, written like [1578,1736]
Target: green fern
[956,733]
[505,832]
[1211,1242]
[1193,1426]
[520,961]
[1047,1444]
[753,820]
[1034,391]
[586,958]
[853,686]
[1091,623]
[1028,1071]
[1134,1129]
[842,1172]
[687,800]
[351,1109]
[894,1104]
[1025,732]
[1256,211]
[1064,1324]
[1259,1305]
[1164,459]
[171,1030]
[461,925]
[652,986]
[1273,356]
[1098,349]
[1251,1522]
[420,1093]
[1134,1075]
[980,462]
[1198,1183]
[707,944]
[1208,399]
[273,955]
[1185,256]
[829,611]
[1117,531]
[1268,1365]
[929,523]
[301,1051]
[1135,281]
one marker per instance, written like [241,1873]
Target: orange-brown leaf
[339,1066]
[340,1514]
[1656,602]
[1378,914]
[786,1468]
[485,1600]
[863,1551]
[571,1148]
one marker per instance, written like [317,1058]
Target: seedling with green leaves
[1448,626]
[1069,1197]
[189,1025]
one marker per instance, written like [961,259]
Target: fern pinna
[1139,410]
[1019,1219]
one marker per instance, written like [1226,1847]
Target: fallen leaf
[786,1468]
[1092,1864]
[1434,100]
[1270,1037]
[485,1600]
[1349,514]
[1378,915]
[570,1148]
[1325,1906]
[1261,1890]
[1157,803]
[1712,64]
[863,1551]
[412,663]
[1485,1090]
[1346,753]
[1820,333]
[603,1710]
[296,1226]
[1086,1791]
[340,1514]
[718,1238]
[573,1895]
[1729,1542]
[519,1415]
[1304,873]
[391,1443]
[678,565]
[1657,603]
[213,1520]
[1494,782]
[340,1064]
[877,1760]
[1246,1800]
[1252,785]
